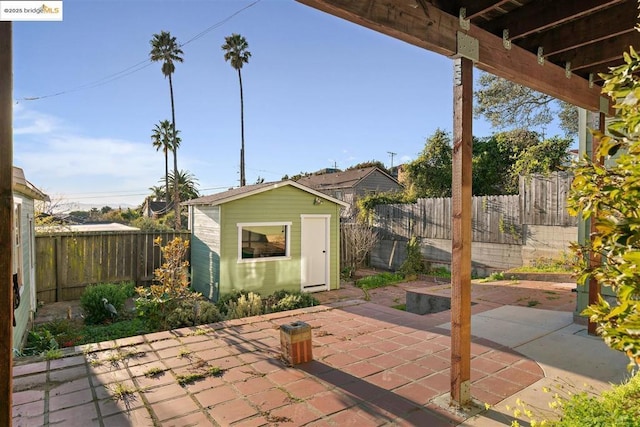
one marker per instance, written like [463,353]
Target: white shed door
[315,253]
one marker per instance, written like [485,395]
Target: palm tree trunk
[243,181]
[166,176]
[176,194]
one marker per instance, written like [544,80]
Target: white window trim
[287,256]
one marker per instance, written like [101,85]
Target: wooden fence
[495,219]
[67,262]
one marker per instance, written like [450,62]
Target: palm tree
[157,193]
[187,185]
[165,49]
[235,51]
[162,139]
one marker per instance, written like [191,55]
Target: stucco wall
[541,241]
[546,241]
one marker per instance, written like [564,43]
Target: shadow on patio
[373,366]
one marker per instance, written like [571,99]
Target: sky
[318,92]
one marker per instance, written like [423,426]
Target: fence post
[59,267]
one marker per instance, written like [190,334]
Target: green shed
[263,238]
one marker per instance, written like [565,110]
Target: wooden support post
[6,227]
[461,233]
[594,258]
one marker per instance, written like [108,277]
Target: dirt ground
[525,293]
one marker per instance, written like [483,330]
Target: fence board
[495,219]
[67,262]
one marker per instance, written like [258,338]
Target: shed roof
[21,185]
[85,228]
[250,190]
[347,179]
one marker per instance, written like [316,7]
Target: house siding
[205,250]
[284,204]
[376,182]
[25,312]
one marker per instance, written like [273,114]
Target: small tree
[171,285]
[414,263]
[609,197]
[360,240]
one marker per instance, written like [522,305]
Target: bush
[223,302]
[414,264]
[40,341]
[192,312]
[287,300]
[249,305]
[91,300]
[619,406]
[171,285]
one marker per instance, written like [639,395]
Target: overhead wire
[136,67]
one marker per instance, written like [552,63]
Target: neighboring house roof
[155,207]
[337,180]
[21,185]
[250,190]
[86,228]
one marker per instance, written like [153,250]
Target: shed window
[263,240]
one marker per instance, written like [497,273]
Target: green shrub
[91,300]
[249,305]
[414,264]
[192,312]
[171,285]
[287,300]
[40,341]
[223,301]
[619,407]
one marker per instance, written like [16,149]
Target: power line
[117,193]
[136,67]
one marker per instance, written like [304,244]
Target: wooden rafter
[436,30]
[603,52]
[544,14]
[606,24]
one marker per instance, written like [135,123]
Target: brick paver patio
[373,365]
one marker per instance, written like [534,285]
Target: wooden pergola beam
[6,229]
[432,29]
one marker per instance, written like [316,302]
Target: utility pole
[6,229]
[392,154]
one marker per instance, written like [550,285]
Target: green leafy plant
[414,263]
[113,331]
[571,406]
[193,312]
[223,302]
[380,280]
[91,300]
[286,300]
[608,195]
[249,305]
[153,372]
[54,353]
[171,285]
